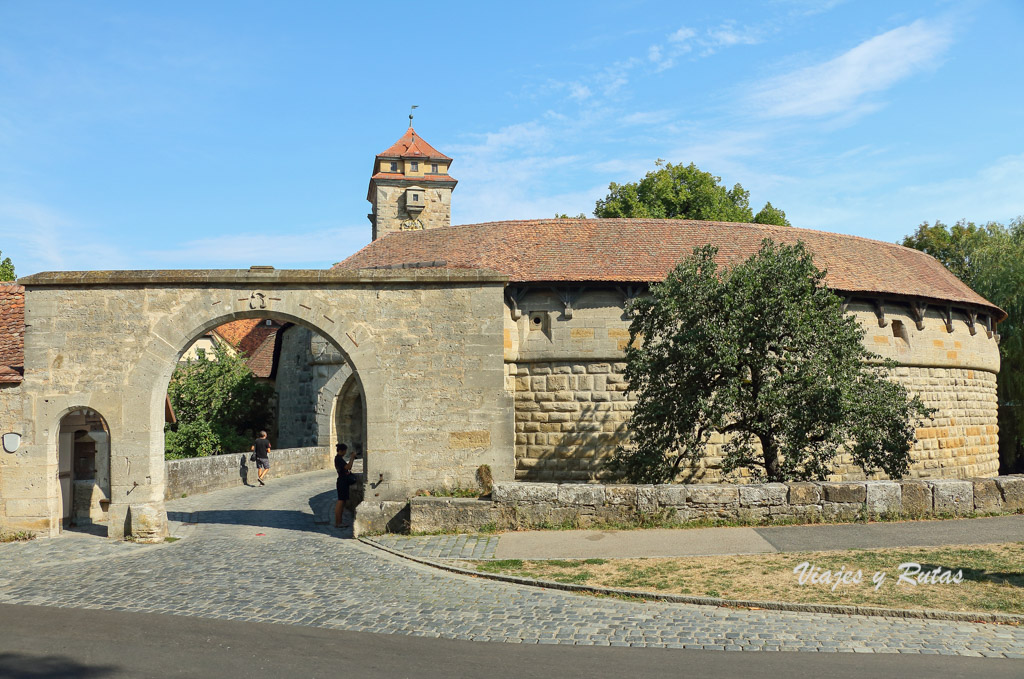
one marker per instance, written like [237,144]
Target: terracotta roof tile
[254,339]
[411,145]
[12,332]
[645,250]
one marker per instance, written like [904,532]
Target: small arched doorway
[83,469]
[349,416]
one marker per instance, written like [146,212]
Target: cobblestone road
[259,554]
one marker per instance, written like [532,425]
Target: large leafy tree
[990,259]
[219,404]
[684,192]
[6,269]
[763,354]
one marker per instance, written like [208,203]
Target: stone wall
[307,384]
[563,355]
[425,345]
[196,475]
[526,505]
[569,419]
[20,479]
[390,210]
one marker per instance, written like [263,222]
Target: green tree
[763,354]
[956,247]
[6,269]
[770,214]
[990,259]
[219,405]
[683,192]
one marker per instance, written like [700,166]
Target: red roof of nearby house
[644,250]
[12,332]
[253,338]
[412,145]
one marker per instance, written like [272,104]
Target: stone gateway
[439,349]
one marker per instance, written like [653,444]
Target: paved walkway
[611,544]
[258,554]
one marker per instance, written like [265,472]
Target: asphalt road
[41,642]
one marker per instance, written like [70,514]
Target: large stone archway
[426,346]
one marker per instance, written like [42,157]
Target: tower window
[416,197]
[433,168]
[394,166]
[415,166]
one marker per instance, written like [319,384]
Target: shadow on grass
[979,574]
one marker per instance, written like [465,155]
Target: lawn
[986,578]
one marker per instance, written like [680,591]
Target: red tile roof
[12,332]
[253,338]
[412,145]
[644,250]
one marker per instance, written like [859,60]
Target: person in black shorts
[345,481]
[261,448]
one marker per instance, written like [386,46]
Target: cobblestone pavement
[441,546]
[259,554]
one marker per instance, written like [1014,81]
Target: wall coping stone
[592,503]
[259,277]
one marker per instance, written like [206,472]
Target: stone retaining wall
[194,475]
[525,505]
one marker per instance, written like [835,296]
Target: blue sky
[222,135]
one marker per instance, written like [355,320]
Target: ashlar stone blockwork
[425,347]
[564,349]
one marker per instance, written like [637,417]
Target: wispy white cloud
[838,85]
[729,35]
[686,39]
[286,248]
[39,238]
[996,187]
[647,117]
[579,91]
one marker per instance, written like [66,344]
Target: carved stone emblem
[257,300]
[411,225]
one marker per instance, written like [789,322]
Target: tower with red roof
[410,189]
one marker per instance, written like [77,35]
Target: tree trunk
[772,467]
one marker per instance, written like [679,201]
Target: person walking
[345,481]
[261,450]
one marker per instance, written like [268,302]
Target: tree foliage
[684,192]
[6,269]
[219,404]
[990,259]
[763,354]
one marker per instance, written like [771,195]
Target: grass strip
[987,578]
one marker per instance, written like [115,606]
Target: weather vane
[411,109]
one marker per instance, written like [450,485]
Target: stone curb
[840,609]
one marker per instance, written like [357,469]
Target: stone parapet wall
[526,505]
[195,475]
[570,416]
